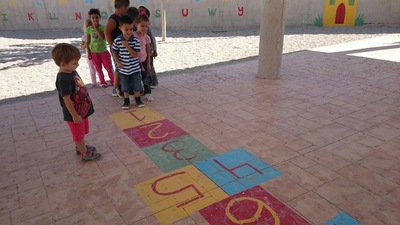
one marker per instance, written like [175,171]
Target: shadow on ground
[203,69]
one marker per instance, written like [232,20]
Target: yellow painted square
[190,189]
[135,117]
[170,215]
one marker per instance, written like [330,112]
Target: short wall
[213,15]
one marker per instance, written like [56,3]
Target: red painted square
[154,133]
[253,206]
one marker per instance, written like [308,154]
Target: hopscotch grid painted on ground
[223,188]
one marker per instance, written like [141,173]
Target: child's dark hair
[65,53]
[146,10]
[141,18]
[94,11]
[125,20]
[133,12]
[121,3]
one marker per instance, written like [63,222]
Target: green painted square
[331,2]
[177,153]
[351,2]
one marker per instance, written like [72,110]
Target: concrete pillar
[163,20]
[272,28]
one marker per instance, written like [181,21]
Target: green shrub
[319,21]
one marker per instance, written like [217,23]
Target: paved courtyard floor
[218,146]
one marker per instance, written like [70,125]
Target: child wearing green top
[97,51]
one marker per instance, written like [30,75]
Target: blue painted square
[237,170]
[343,219]
[233,188]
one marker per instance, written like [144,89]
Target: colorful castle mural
[340,13]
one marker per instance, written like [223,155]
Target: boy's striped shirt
[130,64]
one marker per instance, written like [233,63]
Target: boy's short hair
[120,3]
[133,12]
[65,53]
[125,20]
[94,11]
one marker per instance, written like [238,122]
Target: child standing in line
[125,50]
[153,50]
[98,47]
[142,23]
[111,32]
[133,12]
[84,46]
[74,98]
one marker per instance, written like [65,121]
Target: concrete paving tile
[284,189]
[298,145]
[368,179]
[384,132]
[111,166]
[359,206]
[353,152]
[59,178]
[313,207]
[29,212]
[5,218]
[303,162]
[198,218]
[8,203]
[323,173]
[92,193]
[393,174]
[353,123]
[299,176]
[316,138]
[19,176]
[337,191]
[64,203]
[150,220]
[390,148]
[394,198]
[185,221]
[328,159]
[106,213]
[9,190]
[379,162]
[371,221]
[278,155]
[33,196]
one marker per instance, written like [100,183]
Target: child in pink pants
[84,46]
[98,47]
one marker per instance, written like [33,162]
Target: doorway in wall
[340,14]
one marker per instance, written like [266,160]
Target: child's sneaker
[149,97]
[126,104]
[154,85]
[90,156]
[89,148]
[139,102]
[114,92]
[131,99]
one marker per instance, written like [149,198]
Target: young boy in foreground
[74,98]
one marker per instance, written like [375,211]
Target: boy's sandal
[90,156]
[89,148]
